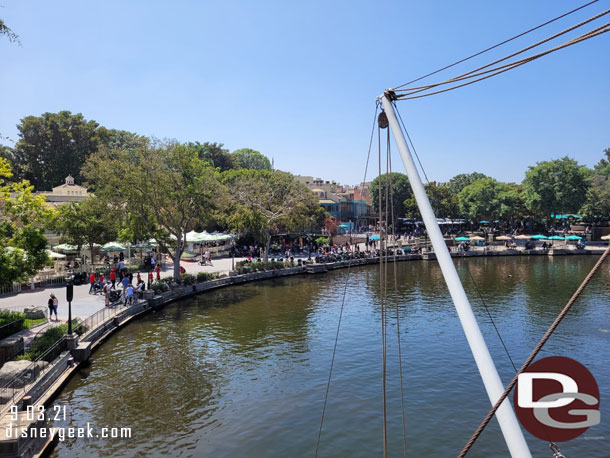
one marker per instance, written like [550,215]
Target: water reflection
[242,371]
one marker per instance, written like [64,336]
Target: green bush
[187,279]
[322,240]
[47,340]
[244,267]
[11,323]
[206,276]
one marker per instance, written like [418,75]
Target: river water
[242,371]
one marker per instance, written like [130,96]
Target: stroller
[115,297]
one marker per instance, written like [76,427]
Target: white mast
[493,385]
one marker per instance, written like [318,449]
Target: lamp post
[69,297]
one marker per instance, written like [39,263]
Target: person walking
[113,278]
[125,283]
[128,295]
[53,304]
[158,270]
[150,279]
[91,282]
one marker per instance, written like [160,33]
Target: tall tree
[215,154]
[489,199]
[267,200]
[23,217]
[94,220]
[8,33]
[444,203]
[459,182]
[164,183]
[558,186]
[52,146]
[247,158]
[597,202]
[397,195]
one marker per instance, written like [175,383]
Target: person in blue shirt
[125,283]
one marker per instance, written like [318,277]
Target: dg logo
[557,399]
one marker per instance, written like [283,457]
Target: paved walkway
[85,304]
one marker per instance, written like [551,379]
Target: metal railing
[12,289]
[18,386]
[91,323]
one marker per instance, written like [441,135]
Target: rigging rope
[473,73]
[402,396]
[332,362]
[535,352]
[504,68]
[382,297]
[497,45]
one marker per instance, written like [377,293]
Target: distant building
[346,203]
[67,192]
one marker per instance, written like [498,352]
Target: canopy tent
[113,246]
[573,237]
[462,239]
[65,248]
[539,237]
[54,255]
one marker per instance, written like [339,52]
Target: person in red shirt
[102,278]
[91,281]
[113,278]
[138,278]
[158,270]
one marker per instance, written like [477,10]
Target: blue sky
[298,80]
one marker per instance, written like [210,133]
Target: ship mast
[493,385]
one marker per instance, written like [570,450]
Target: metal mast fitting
[493,385]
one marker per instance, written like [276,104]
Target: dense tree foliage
[597,203]
[165,184]
[555,187]
[23,216]
[444,202]
[215,154]
[247,158]
[265,201]
[487,199]
[398,193]
[459,182]
[52,146]
[94,220]
[8,33]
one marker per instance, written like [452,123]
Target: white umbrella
[54,255]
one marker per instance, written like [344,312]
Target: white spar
[493,385]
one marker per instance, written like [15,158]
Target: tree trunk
[178,255]
[267,245]
[91,252]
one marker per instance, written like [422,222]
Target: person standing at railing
[106,291]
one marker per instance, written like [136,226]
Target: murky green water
[242,372]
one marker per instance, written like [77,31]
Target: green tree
[459,182]
[264,201]
[247,158]
[162,183]
[444,203]
[597,202]
[92,221]
[23,216]
[215,154]
[8,33]
[558,186]
[52,146]
[399,193]
[488,199]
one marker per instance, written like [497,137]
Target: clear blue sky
[298,80]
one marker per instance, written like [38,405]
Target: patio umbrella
[65,247]
[522,237]
[606,237]
[504,237]
[484,222]
[573,237]
[54,255]
[374,237]
[462,239]
[539,237]
[556,237]
[113,246]
[476,237]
